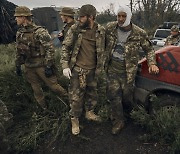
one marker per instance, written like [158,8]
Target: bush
[7,57]
[162,126]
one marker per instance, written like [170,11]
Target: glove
[67,72]
[60,36]
[18,70]
[48,71]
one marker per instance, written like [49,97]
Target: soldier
[174,38]
[123,41]
[36,52]
[67,16]
[82,59]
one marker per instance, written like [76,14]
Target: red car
[164,86]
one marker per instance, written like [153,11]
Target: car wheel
[166,100]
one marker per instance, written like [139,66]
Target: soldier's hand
[60,36]
[48,71]
[18,70]
[153,69]
[67,72]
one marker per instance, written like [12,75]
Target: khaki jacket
[72,43]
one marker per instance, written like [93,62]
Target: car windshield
[162,33]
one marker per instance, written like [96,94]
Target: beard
[85,24]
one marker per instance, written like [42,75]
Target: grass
[163,126]
[29,130]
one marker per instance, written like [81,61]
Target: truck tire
[166,100]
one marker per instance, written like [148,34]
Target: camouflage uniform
[65,29]
[66,11]
[173,39]
[36,52]
[121,82]
[83,81]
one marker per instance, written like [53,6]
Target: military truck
[168,25]
[164,86]
[48,17]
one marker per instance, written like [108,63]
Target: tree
[107,15]
[155,12]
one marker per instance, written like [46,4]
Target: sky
[99,4]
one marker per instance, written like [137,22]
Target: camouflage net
[7,22]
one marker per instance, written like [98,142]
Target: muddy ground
[97,139]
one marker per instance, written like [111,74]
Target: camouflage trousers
[82,90]
[35,76]
[119,93]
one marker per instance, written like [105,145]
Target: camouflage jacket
[72,43]
[65,29]
[137,38]
[34,46]
[172,40]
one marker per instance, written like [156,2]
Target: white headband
[128,12]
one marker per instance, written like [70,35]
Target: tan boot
[117,127]
[90,115]
[75,126]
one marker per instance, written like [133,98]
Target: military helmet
[22,11]
[175,28]
[87,10]
[67,11]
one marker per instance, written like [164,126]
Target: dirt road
[97,139]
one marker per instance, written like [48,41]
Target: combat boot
[117,127]
[90,115]
[75,126]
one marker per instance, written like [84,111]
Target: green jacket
[34,46]
[138,38]
[72,43]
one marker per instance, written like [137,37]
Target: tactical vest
[30,46]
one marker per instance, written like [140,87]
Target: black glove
[61,38]
[18,70]
[48,71]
